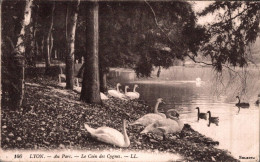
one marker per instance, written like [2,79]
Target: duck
[164,126]
[116,93]
[132,95]
[214,120]
[78,89]
[242,104]
[151,117]
[201,115]
[110,135]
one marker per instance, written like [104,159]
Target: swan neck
[125,89]
[126,138]
[117,87]
[209,114]
[238,100]
[59,79]
[198,111]
[156,107]
[134,89]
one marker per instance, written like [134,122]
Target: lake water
[236,132]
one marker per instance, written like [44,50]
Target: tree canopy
[236,26]
[139,35]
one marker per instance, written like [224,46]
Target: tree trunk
[103,81]
[90,92]
[46,52]
[42,48]
[47,40]
[34,39]
[71,28]
[51,45]
[17,69]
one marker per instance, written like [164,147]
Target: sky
[199,6]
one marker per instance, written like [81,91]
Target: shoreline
[57,116]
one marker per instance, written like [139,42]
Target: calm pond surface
[236,132]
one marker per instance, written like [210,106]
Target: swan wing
[164,126]
[131,95]
[111,139]
[170,126]
[103,96]
[111,136]
[137,94]
[148,119]
[154,128]
[181,125]
[113,93]
[162,115]
[62,85]
[107,135]
[78,89]
[116,94]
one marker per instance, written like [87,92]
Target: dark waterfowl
[257,101]
[201,115]
[214,120]
[242,104]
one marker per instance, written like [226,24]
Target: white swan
[116,93]
[103,96]
[198,82]
[62,75]
[110,135]
[132,95]
[134,90]
[63,85]
[151,117]
[78,89]
[164,126]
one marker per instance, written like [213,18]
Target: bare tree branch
[157,24]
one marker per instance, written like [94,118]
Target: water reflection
[238,133]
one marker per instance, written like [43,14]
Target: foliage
[139,35]
[237,26]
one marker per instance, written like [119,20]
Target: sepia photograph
[129,80]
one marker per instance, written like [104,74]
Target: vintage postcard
[130,80]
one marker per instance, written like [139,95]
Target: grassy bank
[53,118]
